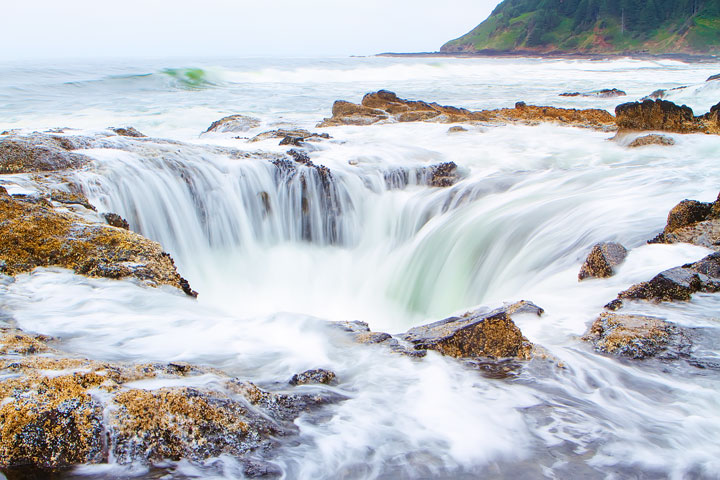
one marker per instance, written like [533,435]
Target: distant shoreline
[681,57]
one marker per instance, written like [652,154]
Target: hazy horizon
[40,29]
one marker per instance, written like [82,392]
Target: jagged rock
[314,376]
[440,175]
[476,334]
[602,260]
[634,336]
[387,106]
[301,134]
[57,412]
[38,153]
[693,222]
[604,93]
[233,123]
[128,132]
[657,115]
[35,235]
[677,283]
[652,139]
[116,220]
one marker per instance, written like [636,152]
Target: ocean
[531,203]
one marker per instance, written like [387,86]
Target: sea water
[531,203]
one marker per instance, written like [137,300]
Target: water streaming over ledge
[277,248]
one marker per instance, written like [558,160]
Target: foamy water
[272,270]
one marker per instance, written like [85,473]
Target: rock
[128,132]
[459,129]
[58,411]
[38,153]
[440,175]
[387,106]
[297,135]
[233,123]
[314,376]
[604,93]
[634,336]
[602,260]
[35,235]
[652,139]
[693,222]
[713,77]
[657,115]
[116,220]
[71,198]
[657,94]
[297,141]
[476,334]
[677,283]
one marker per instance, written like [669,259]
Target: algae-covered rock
[652,139]
[116,221]
[657,115]
[233,123]
[602,260]
[35,235]
[634,336]
[693,222]
[318,375]
[476,334]
[384,105]
[128,132]
[38,153]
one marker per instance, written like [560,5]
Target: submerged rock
[440,175]
[652,139]
[38,153]
[693,222]
[319,375]
[128,132]
[233,123]
[35,235]
[384,105]
[634,336]
[290,137]
[476,334]
[602,260]
[604,93]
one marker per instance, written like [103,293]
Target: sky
[46,29]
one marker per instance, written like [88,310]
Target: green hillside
[597,26]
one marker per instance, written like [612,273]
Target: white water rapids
[274,257]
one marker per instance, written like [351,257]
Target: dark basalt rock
[38,153]
[676,284]
[652,139]
[319,375]
[602,260]
[634,336]
[116,220]
[128,132]
[233,123]
[476,334]
[657,115]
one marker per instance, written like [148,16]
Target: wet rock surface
[319,375]
[38,153]
[116,221]
[652,139]
[291,136]
[676,284]
[233,123]
[602,260]
[58,411]
[693,222]
[634,336]
[386,106]
[604,93]
[476,334]
[128,132]
[666,116]
[36,235]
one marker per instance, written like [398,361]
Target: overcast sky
[147,28]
